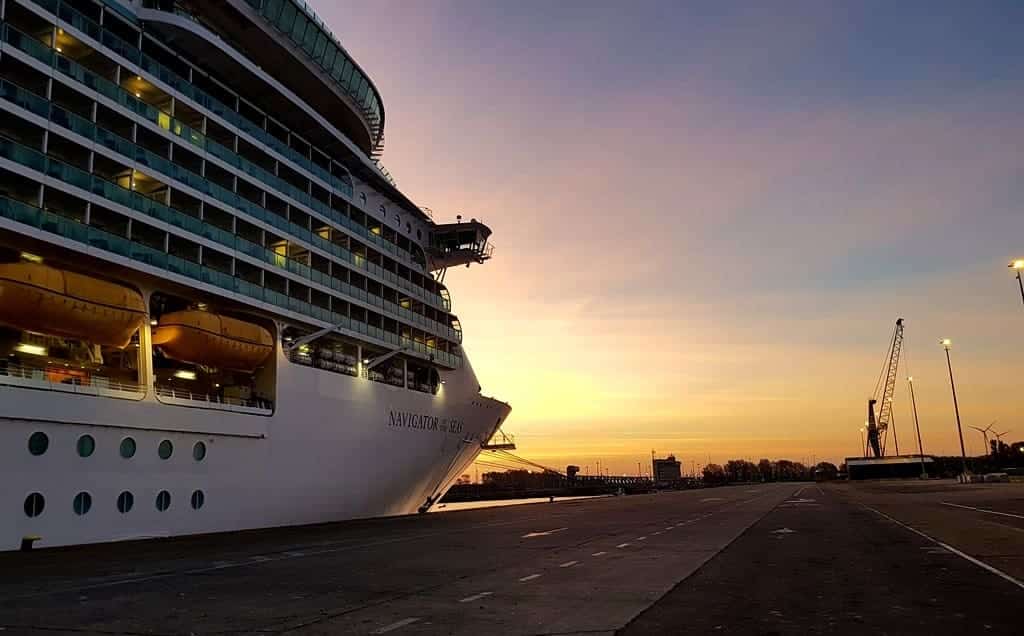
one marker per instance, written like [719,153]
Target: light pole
[1017,266]
[917,425]
[947,344]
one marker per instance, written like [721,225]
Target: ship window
[38,442]
[34,504]
[125,501]
[163,500]
[86,445]
[127,448]
[199,451]
[82,504]
[198,498]
[165,449]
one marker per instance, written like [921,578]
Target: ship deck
[773,558]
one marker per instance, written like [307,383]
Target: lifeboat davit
[37,297]
[213,340]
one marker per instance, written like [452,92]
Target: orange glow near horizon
[706,257]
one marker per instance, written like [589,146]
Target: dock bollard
[27,541]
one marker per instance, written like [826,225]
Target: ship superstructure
[217,310]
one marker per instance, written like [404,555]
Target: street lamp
[917,425]
[947,344]
[1017,266]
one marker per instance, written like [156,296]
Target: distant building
[667,470]
[897,466]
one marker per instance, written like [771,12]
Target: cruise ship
[217,310]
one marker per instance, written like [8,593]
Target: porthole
[34,504]
[199,451]
[38,442]
[83,501]
[125,501]
[128,448]
[197,499]
[165,449]
[86,445]
[163,500]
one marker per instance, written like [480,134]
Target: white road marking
[707,499]
[783,531]
[567,564]
[963,555]
[991,512]
[529,578]
[656,533]
[475,597]
[641,538]
[599,554]
[530,535]
[396,625]
[622,545]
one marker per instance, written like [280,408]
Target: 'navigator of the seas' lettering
[424,422]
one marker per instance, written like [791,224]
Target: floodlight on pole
[1018,265]
[947,344]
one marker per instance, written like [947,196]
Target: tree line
[741,470]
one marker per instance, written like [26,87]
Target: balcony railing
[179,397]
[13,374]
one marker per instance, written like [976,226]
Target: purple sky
[708,215]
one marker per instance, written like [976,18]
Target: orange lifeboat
[213,340]
[37,297]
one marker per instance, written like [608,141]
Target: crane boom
[878,428]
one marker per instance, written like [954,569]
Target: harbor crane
[878,428]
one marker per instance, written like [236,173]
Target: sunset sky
[709,215]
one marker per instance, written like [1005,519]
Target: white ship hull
[336,448]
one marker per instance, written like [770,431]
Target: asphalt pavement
[763,559]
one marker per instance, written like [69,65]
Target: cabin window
[125,501]
[163,501]
[128,448]
[34,504]
[86,445]
[38,442]
[199,451]
[82,503]
[198,498]
[166,449]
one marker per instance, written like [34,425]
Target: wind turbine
[984,433]
[999,439]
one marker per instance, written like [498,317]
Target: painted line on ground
[475,597]
[531,535]
[529,578]
[641,538]
[623,545]
[396,625]
[963,555]
[567,564]
[991,512]
[597,554]
[656,533]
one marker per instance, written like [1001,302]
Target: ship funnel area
[460,243]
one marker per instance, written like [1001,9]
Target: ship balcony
[461,243]
[67,380]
